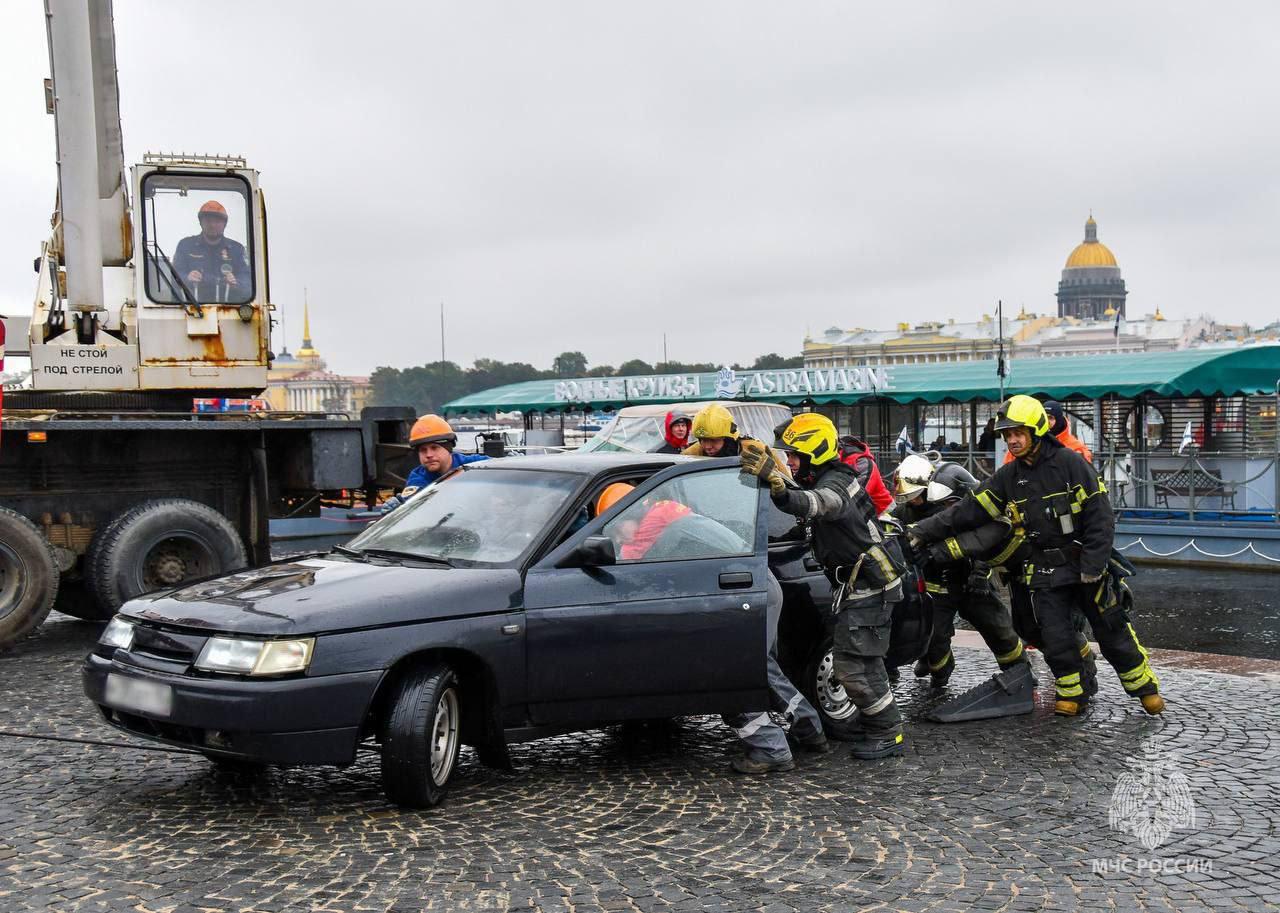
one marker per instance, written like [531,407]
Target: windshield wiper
[394,555]
[172,276]
[350,552]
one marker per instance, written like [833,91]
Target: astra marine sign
[725,385]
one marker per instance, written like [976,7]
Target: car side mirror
[593,551]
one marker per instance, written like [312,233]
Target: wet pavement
[1032,813]
[1208,611]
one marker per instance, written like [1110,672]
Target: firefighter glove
[755,459]
[979,578]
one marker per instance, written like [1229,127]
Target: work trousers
[763,737]
[1026,626]
[1054,608]
[861,640]
[983,610]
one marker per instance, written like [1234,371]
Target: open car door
[656,608]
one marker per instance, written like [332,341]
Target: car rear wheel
[28,577]
[839,715]
[161,544]
[421,737]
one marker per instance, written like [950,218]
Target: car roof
[585,463]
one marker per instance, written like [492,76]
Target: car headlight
[255,657]
[118,634]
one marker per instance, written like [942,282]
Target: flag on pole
[1116,330]
[904,442]
[1187,438]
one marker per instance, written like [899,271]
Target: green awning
[1188,372]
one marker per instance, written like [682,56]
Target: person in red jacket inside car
[855,454]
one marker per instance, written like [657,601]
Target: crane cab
[186,308]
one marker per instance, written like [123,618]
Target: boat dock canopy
[1247,370]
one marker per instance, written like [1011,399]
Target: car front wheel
[839,715]
[420,737]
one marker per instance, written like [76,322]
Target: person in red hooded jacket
[676,432]
[855,454]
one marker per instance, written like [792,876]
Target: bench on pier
[1177,483]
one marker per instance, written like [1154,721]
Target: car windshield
[644,433]
[483,517]
[634,434]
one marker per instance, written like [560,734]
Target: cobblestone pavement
[1002,815]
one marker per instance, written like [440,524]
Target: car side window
[783,527]
[702,515]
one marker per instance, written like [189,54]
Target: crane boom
[179,300]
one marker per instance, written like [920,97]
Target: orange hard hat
[612,495]
[432,429]
[213,208]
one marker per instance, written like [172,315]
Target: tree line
[428,387]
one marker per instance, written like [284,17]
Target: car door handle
[811,563]
[737,581]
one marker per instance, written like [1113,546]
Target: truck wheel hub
[169,569]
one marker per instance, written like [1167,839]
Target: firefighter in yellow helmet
[714,433]
[1058,500]
[866,578]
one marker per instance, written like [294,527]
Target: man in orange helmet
[213,267]
[433,439]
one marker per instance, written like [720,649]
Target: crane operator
[213,266]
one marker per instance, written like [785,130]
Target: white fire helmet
[915,477]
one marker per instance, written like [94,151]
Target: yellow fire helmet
[1023,411]
[714,421]
[812,435]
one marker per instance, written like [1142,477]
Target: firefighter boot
[881,746]
[940,672]
[754,764]
[1152,703]
[883,732]
[1089,677]
[815,743]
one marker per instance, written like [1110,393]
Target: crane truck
[153,293]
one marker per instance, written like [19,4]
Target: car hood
[316,595]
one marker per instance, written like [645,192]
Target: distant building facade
[303,383]
[1091,320]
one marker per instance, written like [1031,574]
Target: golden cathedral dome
[1091,252]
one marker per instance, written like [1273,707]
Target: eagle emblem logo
[1152,799]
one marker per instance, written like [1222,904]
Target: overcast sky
[589,175]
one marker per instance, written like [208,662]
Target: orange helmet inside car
[612,495]
[213,208]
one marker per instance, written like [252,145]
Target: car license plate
[136,694]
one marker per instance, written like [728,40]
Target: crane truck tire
[75,599]
[76,596]
[28,577]
[158,545]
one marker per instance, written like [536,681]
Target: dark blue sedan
[493,607]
